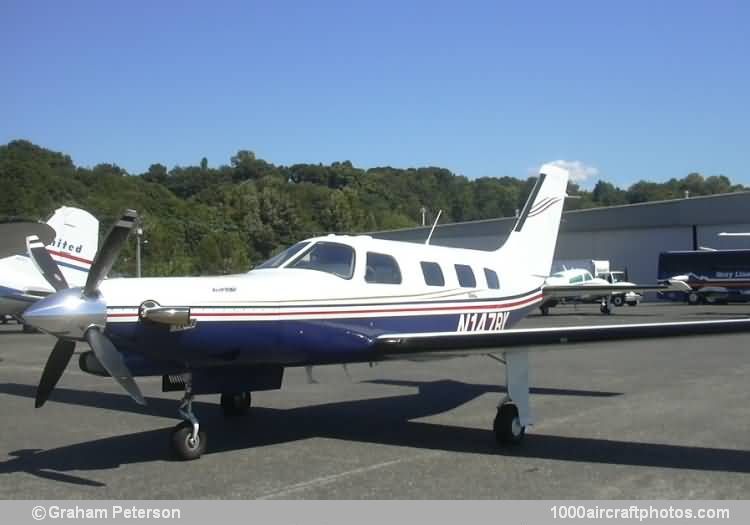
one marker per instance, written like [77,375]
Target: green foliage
[202,220]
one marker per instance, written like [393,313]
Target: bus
[716,276]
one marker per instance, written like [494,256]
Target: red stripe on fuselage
[341,312]
[69,256]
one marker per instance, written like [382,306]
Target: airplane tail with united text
[75,244]
[531,244]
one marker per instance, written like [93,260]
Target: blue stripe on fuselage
[288,342]
[15,295]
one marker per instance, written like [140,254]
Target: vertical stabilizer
[75,244]
[531,244]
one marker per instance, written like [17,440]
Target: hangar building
[629,236]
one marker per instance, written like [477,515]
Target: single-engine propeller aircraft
[333,299]
[72,245]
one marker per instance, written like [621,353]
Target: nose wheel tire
[618,300]
[507,425]
[234,405]
[184,446]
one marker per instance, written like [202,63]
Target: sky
[619,91]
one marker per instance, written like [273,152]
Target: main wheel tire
[183,445]
[28,329]
[234,405]
[693,298]
[507,425]
[544,309]
[618,300]
[604,308]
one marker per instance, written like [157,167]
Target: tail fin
[75,244]
[531,244]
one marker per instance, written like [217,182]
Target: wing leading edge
[572,290]
[517,339]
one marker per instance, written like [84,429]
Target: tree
[156,173]
[607,194]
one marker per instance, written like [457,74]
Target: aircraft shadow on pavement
[386,420]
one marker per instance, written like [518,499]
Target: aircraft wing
[400,346]
[583,290]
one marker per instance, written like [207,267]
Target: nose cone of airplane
[66,314]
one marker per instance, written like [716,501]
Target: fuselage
[326,302]
[20,284]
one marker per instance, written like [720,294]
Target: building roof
[725,208]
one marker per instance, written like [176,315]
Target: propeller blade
[53,370]
[45,264]
[109,251]
[113,362]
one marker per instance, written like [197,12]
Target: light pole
[138,235]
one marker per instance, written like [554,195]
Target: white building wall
[636,250]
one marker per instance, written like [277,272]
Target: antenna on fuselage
[434,224]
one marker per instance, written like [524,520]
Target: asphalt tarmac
[658,419]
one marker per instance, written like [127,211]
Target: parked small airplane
[334,299]
[76,237]
[577,284]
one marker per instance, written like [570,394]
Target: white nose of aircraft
[66,314]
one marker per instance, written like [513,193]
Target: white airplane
[578,284]
[76,237]
[334,299]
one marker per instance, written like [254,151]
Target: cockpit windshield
[282,257]
[329,257]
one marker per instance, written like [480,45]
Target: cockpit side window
[329,257]
[382,268]
[282,257]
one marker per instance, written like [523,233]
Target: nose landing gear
[188,441]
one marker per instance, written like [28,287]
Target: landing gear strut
[188,440]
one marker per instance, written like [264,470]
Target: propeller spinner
[79,314]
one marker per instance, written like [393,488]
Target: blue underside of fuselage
[154,349]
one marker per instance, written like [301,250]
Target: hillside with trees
[202,220]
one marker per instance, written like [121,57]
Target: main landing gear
[234,405]
[514,411]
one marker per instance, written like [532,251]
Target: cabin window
[282,257]
[382,269]
[492,280]
[329,257]
[433,275]
[465,276]
[576,279]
